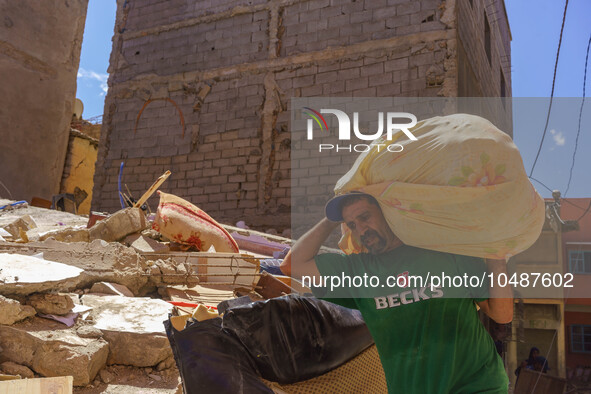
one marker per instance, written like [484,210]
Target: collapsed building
[86,301]
[203,90]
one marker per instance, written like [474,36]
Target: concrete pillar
[40,44]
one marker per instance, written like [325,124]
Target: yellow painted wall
[79,170]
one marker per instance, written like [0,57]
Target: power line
[586,211]
[562,199]
[547,188]
[552,93]
[580,116]
[574,205]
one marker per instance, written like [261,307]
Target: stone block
[12,311]
[120,224]
[396,64]
[346,74]
[25,223]
[408,8]
[55,352]
[133,327]
[374,69]
[68,234]
[361,17]
[376,80]
[326,77]
[23,275]
[50,303]
[89,332]
[111,289]
[144,244]
[11,368]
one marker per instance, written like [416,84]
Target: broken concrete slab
[12,311]
[11,368]
[51,303]
[25,223]
[54,352]
[106,376]
[166,364]
[120,224]
[138,350]
[67,235]
[89,332]
[171,272]
[46,219]
[22,275]
[133,327]
[111,289]
[144,244]
[101,261]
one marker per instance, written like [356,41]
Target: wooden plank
[56,385]
[9,377]
[534,382]
[152,189]
[199,294]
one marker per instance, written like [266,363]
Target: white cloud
[558,137]
[102,78]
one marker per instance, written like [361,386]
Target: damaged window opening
[487,39]
[430,18]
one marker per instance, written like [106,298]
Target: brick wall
[228,69]
[471,33]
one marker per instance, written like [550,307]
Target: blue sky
[535,27]
[94,59]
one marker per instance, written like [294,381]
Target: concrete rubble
[144,244]
[109,279]
[110,289]
[133,328]
[12,311]
[54,352]
[11,368]
[23,223]
[119,225]
[23,275]
[49,303]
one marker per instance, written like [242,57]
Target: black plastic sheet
[295,338]
[285,339]
[211,361]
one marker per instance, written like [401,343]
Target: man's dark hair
[349,200]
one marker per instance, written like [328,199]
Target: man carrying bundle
[428,343]
[432,226]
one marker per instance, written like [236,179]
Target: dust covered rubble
[38,267]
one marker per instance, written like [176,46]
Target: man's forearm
[500,302]
[307,247]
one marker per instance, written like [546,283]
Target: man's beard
[377,246]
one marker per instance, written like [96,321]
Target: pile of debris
[88,300]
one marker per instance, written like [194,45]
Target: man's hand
[300,259]
[499,306]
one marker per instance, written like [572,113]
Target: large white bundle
[461,188]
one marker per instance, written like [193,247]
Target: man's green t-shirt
[430,339]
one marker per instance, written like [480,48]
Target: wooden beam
[57,385]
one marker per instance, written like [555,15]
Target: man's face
[367,222]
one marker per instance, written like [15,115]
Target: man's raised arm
[499,306]
[300,259]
